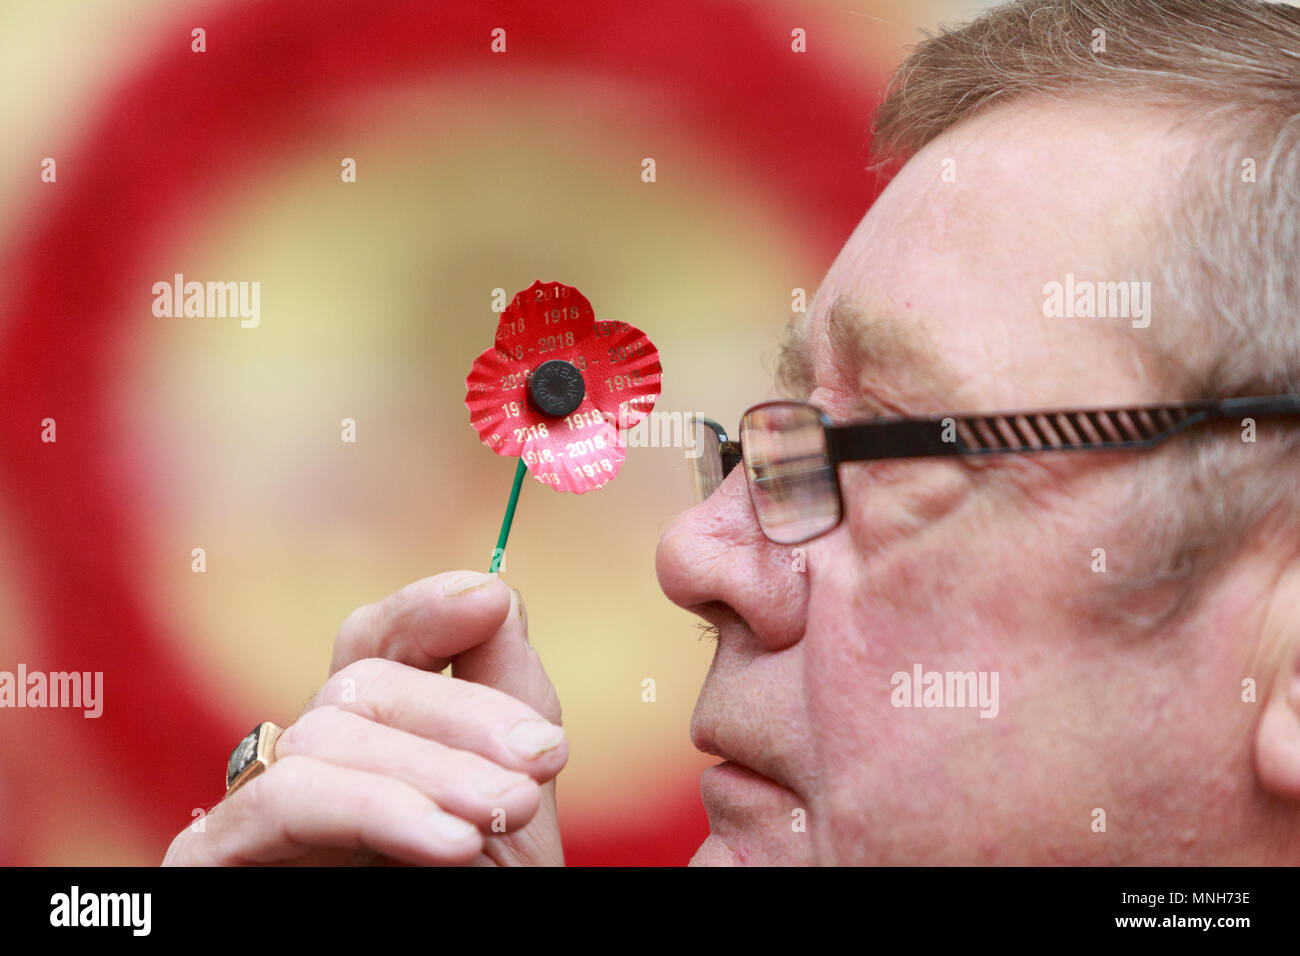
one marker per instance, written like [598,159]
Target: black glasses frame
[1136,427]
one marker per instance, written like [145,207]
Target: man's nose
[692,550]
[716,554]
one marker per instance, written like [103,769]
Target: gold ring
[254,754]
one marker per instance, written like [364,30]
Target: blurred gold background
[375,299]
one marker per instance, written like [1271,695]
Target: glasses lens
[706,465]
[790,476]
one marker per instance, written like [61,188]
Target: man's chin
[753,821]
[755,851]
[714,852]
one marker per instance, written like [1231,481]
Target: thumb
[509,663]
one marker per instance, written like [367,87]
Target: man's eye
[761,472]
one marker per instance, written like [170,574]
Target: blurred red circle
[184,125]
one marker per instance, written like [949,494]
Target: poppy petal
[625,372]
[546,317]
[496,394]
[572,458]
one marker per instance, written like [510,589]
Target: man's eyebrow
[866,343]
[794,371]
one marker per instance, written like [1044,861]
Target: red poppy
[559,387]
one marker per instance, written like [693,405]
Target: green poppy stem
[499,554]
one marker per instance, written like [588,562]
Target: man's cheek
[900,610]
[888,501]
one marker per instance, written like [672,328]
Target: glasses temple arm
[906,438]
[1046,430]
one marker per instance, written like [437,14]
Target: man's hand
[395,762]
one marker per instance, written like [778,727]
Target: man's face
[983,565]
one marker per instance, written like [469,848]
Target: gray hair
[1228,262]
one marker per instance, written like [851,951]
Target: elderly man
[945,634]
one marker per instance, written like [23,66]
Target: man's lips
[731,766]
[728,787]
[740,774]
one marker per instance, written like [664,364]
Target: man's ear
[1277,735]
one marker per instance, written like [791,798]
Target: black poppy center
[556,388]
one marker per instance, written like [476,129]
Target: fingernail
[466,583]
[452,829]
[530,739]
[522,611]
[493,783]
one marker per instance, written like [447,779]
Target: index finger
[426,623]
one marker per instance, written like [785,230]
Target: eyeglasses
[792,451]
